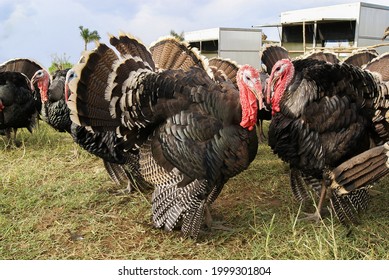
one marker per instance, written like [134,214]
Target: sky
[44,29]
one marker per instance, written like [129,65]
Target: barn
[342,28]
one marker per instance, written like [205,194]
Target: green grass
[50,188]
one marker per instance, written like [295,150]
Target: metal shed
[342,28]
[238,44]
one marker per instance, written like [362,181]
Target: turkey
[16,109]
[17,105]
[54,110]
[323,115]
[192,133]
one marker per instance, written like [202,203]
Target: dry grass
[57,202]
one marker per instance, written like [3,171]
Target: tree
[59,63]
[88,36]
[180,36]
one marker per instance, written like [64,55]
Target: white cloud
[40,28]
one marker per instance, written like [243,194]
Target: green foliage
[59,63]
[57,202]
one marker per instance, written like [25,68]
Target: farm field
[58,202]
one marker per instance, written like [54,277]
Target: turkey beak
[257,91]
[270,89]
[32,83]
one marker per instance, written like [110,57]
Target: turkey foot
[317,215]
[211,224]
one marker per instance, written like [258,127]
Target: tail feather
[130,46]
[324,56]
[88,103]
[169,53]
[380,65]
[271,54]
[360,58]
[350,182]
[361,170]
[22,65]
[224,69]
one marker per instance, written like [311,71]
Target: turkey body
[323,114]
[17,104]
[188,129]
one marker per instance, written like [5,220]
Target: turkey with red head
[193,134]
[324,115]
[54,110]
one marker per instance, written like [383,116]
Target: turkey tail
[101,81]
[380,65]
[361,57]
[22,65]
[87,101]
[271,54]
[170,53]
[130,46]
[323,56]
[224,69]
[351,180]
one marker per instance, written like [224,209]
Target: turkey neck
[43,86]
[249,107]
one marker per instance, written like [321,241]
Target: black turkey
[323,115]
[192,133]
[17,105]
[8,121]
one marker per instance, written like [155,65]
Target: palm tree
[88,36]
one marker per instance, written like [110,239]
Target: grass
[57,202]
